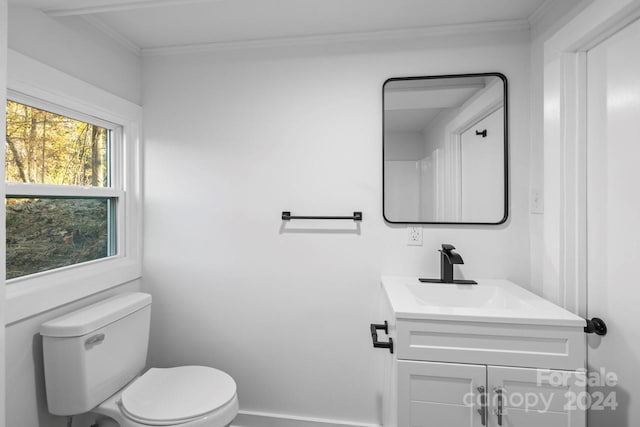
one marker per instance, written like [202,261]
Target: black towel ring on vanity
[374,328]
[596,326]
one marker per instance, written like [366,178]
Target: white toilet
[93,358]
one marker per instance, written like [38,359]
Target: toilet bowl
[188,396]
[93,358]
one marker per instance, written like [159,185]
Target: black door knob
[596,326]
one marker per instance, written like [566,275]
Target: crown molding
[495,27]
[539,14]
[551,15]
[114,35]
[120,7]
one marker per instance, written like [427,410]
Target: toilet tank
[91,353]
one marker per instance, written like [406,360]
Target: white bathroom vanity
[491,354]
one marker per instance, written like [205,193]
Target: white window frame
[38,85]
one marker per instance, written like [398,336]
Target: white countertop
[491,300]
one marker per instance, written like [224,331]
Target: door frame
[565,133]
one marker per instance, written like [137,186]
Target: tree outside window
[56,213]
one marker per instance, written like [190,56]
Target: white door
[440,394]
[482,171]
[524,397]
[613,194]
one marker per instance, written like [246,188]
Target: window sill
[26,297]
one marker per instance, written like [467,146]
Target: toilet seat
[176,395]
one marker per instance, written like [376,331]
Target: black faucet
[448,257]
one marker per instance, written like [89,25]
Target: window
[73,189]
[61,206]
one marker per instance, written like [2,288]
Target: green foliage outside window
[45,233]
[48,148]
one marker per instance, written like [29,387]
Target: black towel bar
[286,216]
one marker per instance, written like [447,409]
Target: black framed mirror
[445,149]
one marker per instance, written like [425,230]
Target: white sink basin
[489,296]
[488,301]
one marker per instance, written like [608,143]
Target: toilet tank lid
[95,316]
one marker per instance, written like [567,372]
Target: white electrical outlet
[414,236]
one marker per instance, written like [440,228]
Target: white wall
[26,398]
[403,153]
[435,135]
[429,167]
[70,46]
[403,196]
[285,308]
[400,145]
[97,61]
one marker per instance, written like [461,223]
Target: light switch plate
[537,202]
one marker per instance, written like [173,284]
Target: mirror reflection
[445,145]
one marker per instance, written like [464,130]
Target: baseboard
[264,419]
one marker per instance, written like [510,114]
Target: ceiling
[411,109]
[145,25]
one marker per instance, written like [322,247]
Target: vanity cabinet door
[533,398]
[439,394]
